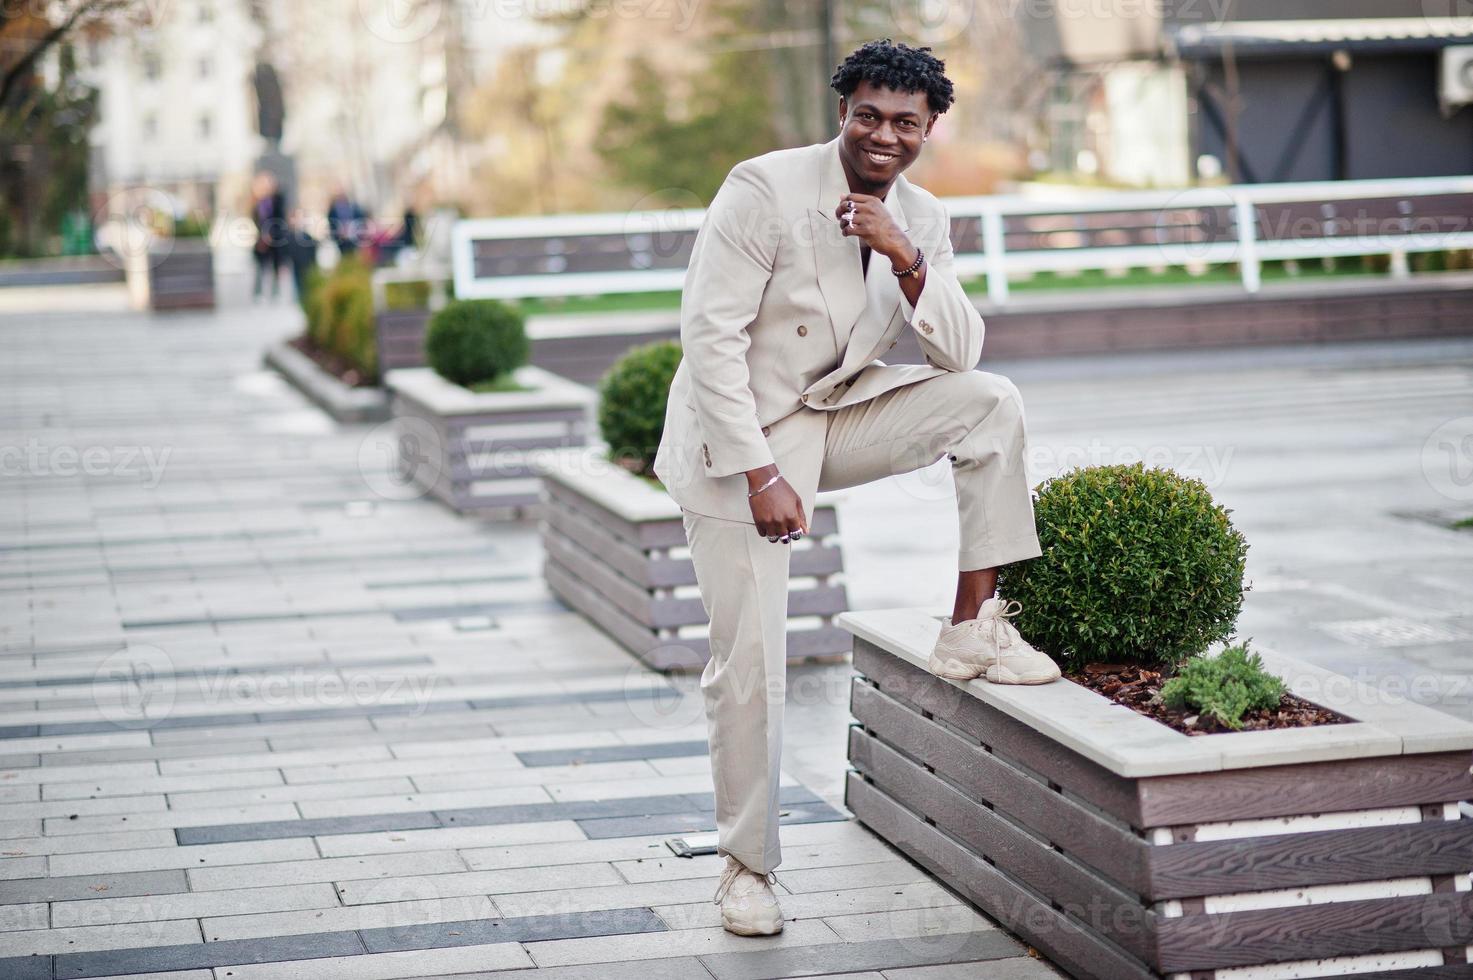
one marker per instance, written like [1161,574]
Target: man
[810,262]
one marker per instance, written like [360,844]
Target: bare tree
[33,37]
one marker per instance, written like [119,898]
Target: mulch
[1138,688]
[333,363]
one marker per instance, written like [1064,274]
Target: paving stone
[26,967]
[157,752]
[168,819]
[15,918]
[894,872]
[567,852]
[880,954]
[160,858]
[905,923]
[662,945]
[673,968]
[171,975]
[611,753]
[326,869]
[112,936]
[796,856]
[21,867]
[570,876]
[289,793]
[19,828]
[81,887]
[87,843]
[282,829]
[109,804]
[575,901]
[75,790]
[524,929]
[695,821]
[205,955]
[1012,968]
[274,760]
[74,774]
[193,905]
[389,911]
[458,961]
[450,837]
[838,908]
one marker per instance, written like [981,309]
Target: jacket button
[802,330]
[767,430]
[925,328]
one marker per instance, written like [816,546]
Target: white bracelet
[770,481]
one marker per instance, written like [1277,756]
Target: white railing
[1394,237]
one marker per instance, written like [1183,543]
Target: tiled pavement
[349,736]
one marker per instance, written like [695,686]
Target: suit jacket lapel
[840,278]
[882,292]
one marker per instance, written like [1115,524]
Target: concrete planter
[344,403]
[616,551]
[401,338]
[179,275]
[1121,848]
[473,451]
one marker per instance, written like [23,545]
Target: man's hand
[778,510]
[867,217]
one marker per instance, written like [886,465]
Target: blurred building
[368,90]
[1255,90]
[176,108]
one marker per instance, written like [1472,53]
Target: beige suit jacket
[779,324]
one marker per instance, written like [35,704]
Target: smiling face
[881,135]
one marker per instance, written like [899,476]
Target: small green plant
[631,406]
[1139,566]
[340,315]
[192,225]
[1224,687]
[472,341]
[413,294]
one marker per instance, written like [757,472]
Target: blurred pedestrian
[344,221]
[302,252]
[268,211]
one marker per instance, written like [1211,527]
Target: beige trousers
[974,417]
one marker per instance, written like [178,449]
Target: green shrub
[1224,687]
[632,397]
[192,225]
[340,317]
[476,340]
[1138,566]
[411,295]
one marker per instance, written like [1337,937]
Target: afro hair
[901,67]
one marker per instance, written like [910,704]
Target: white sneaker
[748,906]
[990,646]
